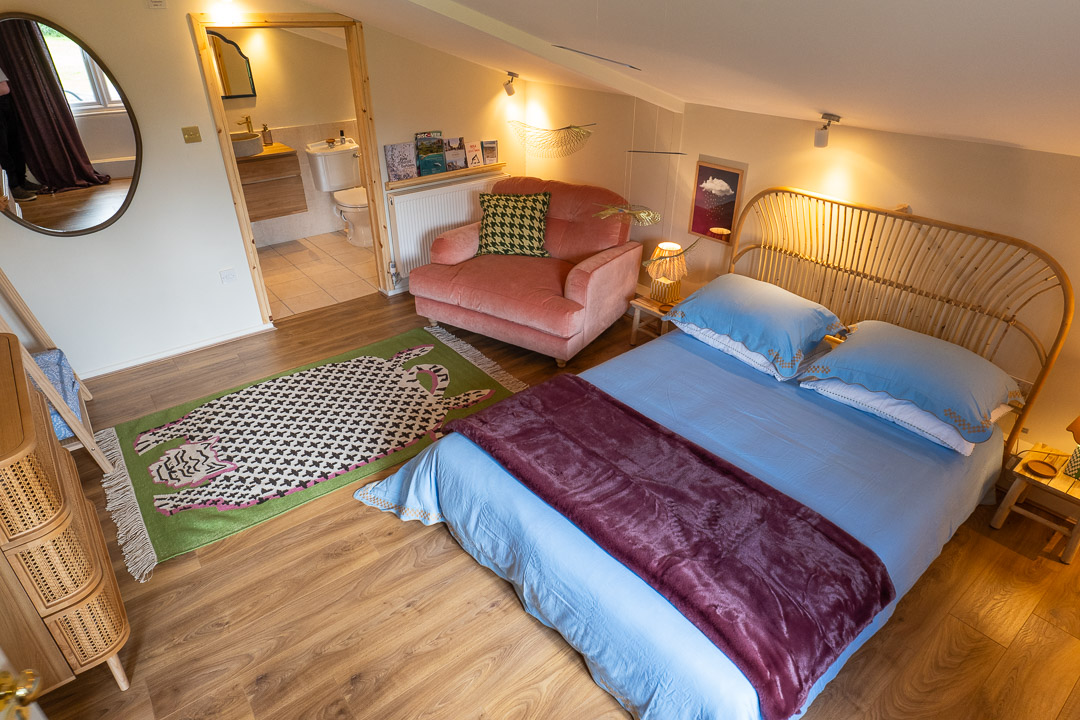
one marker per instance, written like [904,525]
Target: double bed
[897,493]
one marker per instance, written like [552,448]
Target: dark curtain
[51,143]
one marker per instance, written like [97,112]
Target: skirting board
[145,359]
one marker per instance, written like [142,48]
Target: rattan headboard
[995,295]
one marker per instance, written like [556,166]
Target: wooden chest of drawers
[62,608]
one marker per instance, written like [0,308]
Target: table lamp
[667,269]
[1072,466]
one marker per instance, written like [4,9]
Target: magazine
[491,151]
[474,154]
[429,152]
[454,150]
[400,160]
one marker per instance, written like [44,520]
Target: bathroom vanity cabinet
[60,607]
[271,182]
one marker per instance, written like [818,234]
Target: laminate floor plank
[941,678]
[1071,711]
[1034,678]
[228,702]
[1061,603]
[336,610]
[1005,594]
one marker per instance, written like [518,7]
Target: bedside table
[1060,485]
[651,308]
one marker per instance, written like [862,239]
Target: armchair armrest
[613,272]
[457,245]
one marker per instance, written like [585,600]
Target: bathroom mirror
[75,134]
[233,68]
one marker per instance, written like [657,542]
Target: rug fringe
[122,505]
[477,358]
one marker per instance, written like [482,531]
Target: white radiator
[419,216]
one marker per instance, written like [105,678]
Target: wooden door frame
[365,122]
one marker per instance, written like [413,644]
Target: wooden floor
[77,209]
[336,610]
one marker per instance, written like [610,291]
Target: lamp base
[663,290]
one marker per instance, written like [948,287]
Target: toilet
[335,168]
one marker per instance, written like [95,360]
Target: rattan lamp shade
[667,269]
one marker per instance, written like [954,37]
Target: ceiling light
[821,135]
[508,86]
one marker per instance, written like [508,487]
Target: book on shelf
[491,151]
[429,152]
[474,154]
[454,150]
[400,161]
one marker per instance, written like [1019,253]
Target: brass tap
[247,121]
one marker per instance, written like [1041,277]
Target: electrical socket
[228,276]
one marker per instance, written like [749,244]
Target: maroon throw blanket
[777,587]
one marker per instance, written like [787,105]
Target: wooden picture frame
[715,200]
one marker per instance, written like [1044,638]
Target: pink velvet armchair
[554,305]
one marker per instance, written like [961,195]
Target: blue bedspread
[899,494]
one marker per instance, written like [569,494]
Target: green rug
[198,472]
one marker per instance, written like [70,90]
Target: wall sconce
[821,135]
[508,86]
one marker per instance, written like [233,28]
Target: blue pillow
[948,381]
[782,326]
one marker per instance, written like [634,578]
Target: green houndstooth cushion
[513,224]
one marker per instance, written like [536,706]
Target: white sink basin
[246,144]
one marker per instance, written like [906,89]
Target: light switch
[191,134]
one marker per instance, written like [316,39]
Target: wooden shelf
[443,176]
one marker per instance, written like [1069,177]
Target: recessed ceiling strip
[598,57]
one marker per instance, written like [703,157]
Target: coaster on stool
[1041,469]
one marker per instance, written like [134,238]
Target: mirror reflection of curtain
[51,142]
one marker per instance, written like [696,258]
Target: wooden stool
[651,308]
[1060,486]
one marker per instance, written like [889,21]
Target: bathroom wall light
[508,86]
[821,135]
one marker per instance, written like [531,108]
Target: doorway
[295,266]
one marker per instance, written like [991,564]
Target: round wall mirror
[70,148]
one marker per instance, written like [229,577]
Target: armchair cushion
[513,224]
[524,290]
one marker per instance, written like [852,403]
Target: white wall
[415,89]
[298,80]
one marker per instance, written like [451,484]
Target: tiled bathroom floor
[314,272]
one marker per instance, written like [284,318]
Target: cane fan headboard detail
[995,295]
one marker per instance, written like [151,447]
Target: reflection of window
[86,87]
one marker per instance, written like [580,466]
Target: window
[86,87]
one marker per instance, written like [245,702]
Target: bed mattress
[900,495]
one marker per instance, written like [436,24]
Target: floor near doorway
[315,272]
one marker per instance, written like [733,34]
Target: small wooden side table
[651,308]
[1061,486]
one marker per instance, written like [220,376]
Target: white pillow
[737,350]
[906,414]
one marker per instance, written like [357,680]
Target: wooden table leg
[118,672]
[1006,505]
[1069,552]
[634,327]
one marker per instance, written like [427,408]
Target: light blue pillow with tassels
[952,383]
[782,327]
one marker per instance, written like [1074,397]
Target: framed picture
[716,198]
